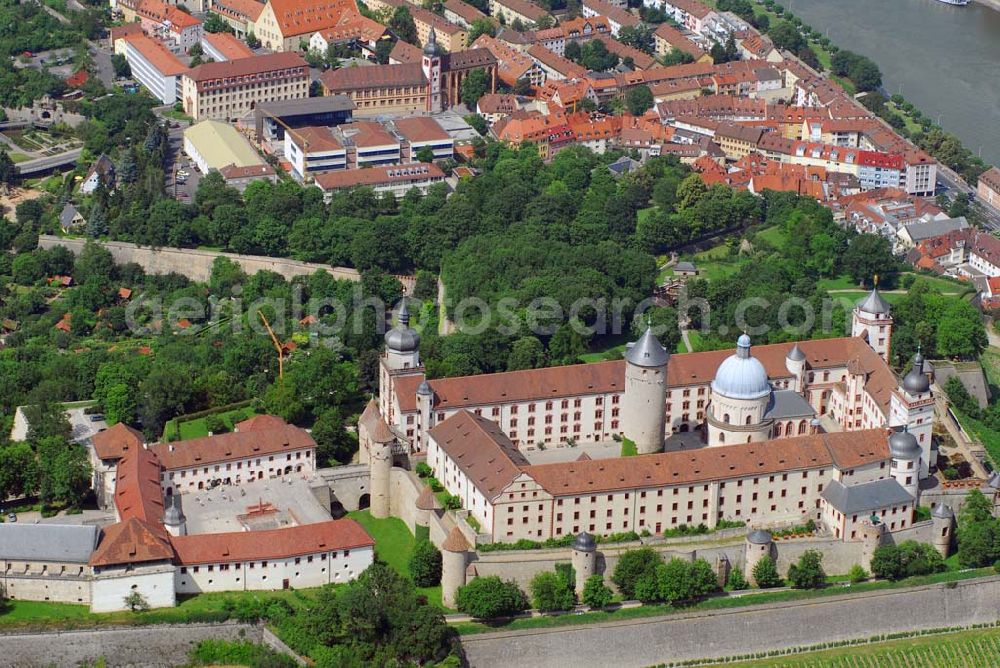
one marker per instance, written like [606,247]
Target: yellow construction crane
[277,345]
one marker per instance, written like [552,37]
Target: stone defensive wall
[160,645]
[722,633]
[197,264]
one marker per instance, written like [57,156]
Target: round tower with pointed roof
[872,320]
[644,408]
[173,517]
[584,559]
[453,558]
[425,408]
[758,545]
[944,523]
[795,362]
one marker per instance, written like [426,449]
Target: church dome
[903,445]
[741,376]
[916,381]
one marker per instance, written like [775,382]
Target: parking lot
[59,62]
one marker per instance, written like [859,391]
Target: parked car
[96,418]
[11,517]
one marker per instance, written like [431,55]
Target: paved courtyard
[607,450]
[286,502]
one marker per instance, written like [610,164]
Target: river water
[947,59]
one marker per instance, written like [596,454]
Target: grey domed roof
[424,388]
[759,537]
[402,338]
[584,542]
[903,445]
[942,512]
[796,354]
[431,47]
[647,351]
[874,303]
[916,381]
[741,376]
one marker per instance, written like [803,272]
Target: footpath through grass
[715,603]
[977,648]
[394,545]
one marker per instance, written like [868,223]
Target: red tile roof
[844,449]
[373,76]
[335,535]
[113,442]
[269,62]
[609,377]
[228,45]
[481,451]
[382,175]
[258,422]
[232,446]
[304,17]
[241,9]
[131,542]
[158,55]
[137,488]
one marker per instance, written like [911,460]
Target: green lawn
[18,157]
[973,648]
[197,428]
[774,236]
[394,545]
[694,336]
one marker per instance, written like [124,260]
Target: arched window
[777,429]
[722,437]
[748,439]
[802,427]
[725,418]
[749,418]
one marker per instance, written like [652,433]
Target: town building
[462,13]
[232,89]
[101,173]
[273,117]
[213,145]
[395,179]
[617,16]
[46,562]
[554,66]
[287,25]
[577,29]
[432,84]
[509,11]
[240,15]
[169,24]
[153,65]
[988,188]
[223,46]
[512,64]
[353,29]
[667,38]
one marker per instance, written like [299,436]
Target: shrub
[996,566]
[452,502]
[215,424]
[765,574]
[423,469]
[490,597]
[243,653]
[807,573]
[857,574]
[425,564]
[136,602]
[632,565]
[596,594]
[567,573]
[909,558]
[550,592]
[737,580]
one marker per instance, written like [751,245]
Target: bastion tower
[644,410]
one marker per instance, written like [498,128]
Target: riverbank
[992,4]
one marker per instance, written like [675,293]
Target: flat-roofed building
[223,46]
[232,89]
[153,65]
[324,111]
[214,145]
[395,179]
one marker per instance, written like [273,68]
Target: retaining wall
[156,646]
[716,634]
